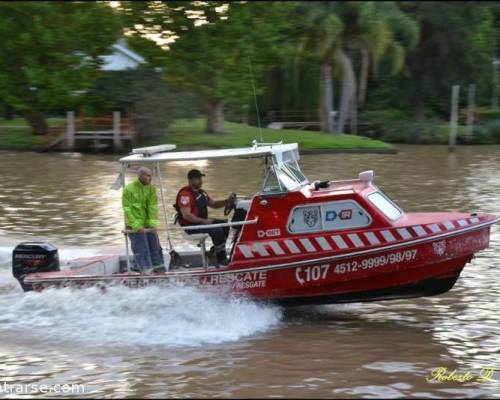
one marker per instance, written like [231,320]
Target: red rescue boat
[299,242]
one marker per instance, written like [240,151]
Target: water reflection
[382,349]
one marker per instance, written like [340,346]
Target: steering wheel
[230,206]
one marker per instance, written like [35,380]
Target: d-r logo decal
[345,214]
[330,215]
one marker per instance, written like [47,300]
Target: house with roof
[122,58]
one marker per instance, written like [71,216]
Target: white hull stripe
[261,249]
[246,250]
[388,236]
[292,246]
[308,245]
[323,243]
[339,242]
[434,228]
[370,236]
[419,230]
[276,248]
[355,240]
[448,225]
[273,266]
[349,240]
[404,233]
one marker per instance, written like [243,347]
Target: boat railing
[195,227]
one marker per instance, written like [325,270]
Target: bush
[484,115]
[490,132]
[146,98]
[382,116]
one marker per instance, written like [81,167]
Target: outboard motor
[30,257]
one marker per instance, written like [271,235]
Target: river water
[191,343]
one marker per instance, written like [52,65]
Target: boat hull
[405,270]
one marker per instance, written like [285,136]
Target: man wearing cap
[191,204]
[140,205]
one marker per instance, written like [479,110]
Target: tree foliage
[215,59]
[144,96]
[49,51]
[304,55]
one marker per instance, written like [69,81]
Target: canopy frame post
[165,216]
[127,254]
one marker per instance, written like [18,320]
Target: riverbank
[189,135]
[397,126]
[16,135]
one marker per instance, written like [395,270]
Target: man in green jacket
[140,205]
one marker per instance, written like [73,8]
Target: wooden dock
[104,132]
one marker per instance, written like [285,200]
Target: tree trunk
[215,116]
[353,114]
[8,112]
[37,122]
[363,76]
[348,91]
[326,96]
[418,100]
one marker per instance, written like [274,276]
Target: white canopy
[282,152]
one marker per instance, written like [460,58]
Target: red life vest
[196,201]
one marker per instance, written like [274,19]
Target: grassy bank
[189,134]
[396,126]
[16,135]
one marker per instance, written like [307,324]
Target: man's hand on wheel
[209,221]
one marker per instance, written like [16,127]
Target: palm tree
[319,28]
[373,29]
[390,33]
[336,32]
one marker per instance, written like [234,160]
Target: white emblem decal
[185,200]
[439,247]
[311,216]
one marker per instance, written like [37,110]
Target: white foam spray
[120,316]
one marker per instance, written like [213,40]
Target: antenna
[255,98]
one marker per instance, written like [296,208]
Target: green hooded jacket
[140,205]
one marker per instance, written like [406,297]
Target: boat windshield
[283,177]
[271,183]
[293,166]
[386,205]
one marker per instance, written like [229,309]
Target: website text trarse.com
[32,388]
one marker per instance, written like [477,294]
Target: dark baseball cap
[195,173]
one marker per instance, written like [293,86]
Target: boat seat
[200,238]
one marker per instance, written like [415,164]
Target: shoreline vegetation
[384,133]
[368,75]
[188,134]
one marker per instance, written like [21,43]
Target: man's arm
[189,216]
[152,206]
[220,203]
[216,203]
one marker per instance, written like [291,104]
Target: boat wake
[183,316]
[119,316]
